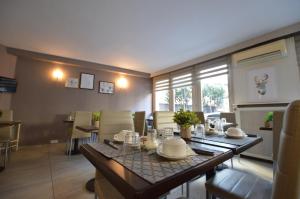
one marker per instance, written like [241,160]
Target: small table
[6,142]
[9,123]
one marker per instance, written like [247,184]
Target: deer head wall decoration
[261,83]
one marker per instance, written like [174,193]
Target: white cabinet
[250,118]
[263,150]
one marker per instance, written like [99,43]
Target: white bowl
[236,132]
[174,147]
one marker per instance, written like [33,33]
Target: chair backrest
[229,116]
[139,122]
[277,126]
[164,119]
[6,132]
[112,122]
[287,175]
[82,118]
[200,116]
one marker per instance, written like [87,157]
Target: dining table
[131,185]
[5,142]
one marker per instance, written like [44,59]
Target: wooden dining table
[236,145]
[131,185]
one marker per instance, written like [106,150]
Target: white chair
[111,123]
[11,133]
[82,118]
[164,119]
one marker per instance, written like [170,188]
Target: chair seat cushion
[235,184]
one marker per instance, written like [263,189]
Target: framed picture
[262,85]
[106,87]
[87,81]
[72,82]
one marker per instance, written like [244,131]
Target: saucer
[235,136]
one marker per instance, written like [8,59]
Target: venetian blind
[189,76]
[182,78]
[161,83]
[212,68]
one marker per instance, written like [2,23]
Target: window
[203,86]
[162,100]
[183,98]
[182,89]
[162,96]
[214,90]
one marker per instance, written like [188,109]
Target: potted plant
[268,119]
[185,119]
[96,119]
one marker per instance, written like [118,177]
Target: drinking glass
[152,141]
[168,133]
[219,126]
[224,120]
[132,142]
[200,131]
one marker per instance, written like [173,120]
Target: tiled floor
[44,172]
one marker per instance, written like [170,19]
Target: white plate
[118,139]
[235,136]
[160,153]
[211,132]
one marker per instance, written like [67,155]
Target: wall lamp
[58,74]
[122,82]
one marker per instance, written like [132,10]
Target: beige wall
[7,69]
[42,103]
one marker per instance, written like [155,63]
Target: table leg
[75,151]
[5,157]
[90,185]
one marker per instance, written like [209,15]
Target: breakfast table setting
[149,166]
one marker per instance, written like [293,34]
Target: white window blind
[187,76]
[161,85]
[212,69]
[182,80]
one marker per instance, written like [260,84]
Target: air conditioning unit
[264,53]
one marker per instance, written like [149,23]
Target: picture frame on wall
[87,81]
[106,87]
[72,82]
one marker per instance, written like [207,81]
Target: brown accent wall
[42,103]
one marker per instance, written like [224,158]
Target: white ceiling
[143,35]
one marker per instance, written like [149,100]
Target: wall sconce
[122,82]
[58,74]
